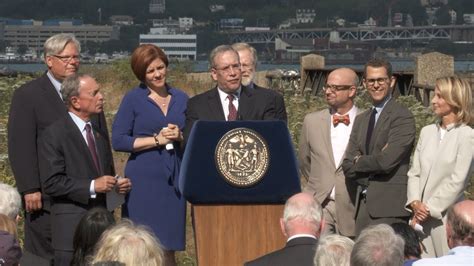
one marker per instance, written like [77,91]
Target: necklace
[160,100]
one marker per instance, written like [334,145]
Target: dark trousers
[38,234]
[364,219]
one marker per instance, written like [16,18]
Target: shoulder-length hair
[457,93]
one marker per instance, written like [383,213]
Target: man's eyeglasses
[334,88]
[67,58]
[380,81]
[228,69]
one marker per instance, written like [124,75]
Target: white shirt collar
[56,83]
[223,95]
[300,235]
[81,124]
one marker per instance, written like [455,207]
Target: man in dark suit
[229,100]
[76,163]
[34,106]
[302,223]
[378,153]
[248,61]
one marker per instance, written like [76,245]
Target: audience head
[411,239]
[453,94]
[248,61]
[88,231]
[129,244]
[8,225]
[341,88]
[62,55]
[378,79]
[225,68]
[144,59]
[302,215]
[460,226]
[333,250]
[378,245]
[10,201]
[10,250]
[82,95]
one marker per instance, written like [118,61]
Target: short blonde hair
[130,244]
[457,93]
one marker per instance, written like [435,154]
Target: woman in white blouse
[442,164]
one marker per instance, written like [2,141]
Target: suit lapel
[76,136]
[245,103]
[101,144]
[326,134]
[383,118]
[51,95]
[215,106]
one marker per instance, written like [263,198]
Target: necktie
[336,119]
[370,129]
[92,148]
[232,111]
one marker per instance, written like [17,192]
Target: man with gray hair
[460,234]
[248,61]
[229,100]
[76,163]
[378,245]
[34,106]
[302,224]
[334,250]
[10,201]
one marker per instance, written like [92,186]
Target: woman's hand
[420,211]
[172,133]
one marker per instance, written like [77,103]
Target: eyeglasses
[334,88]
[67,58]
[228,69]
[380,81]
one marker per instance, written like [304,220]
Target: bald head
[302,215]
[460,227]
[340,89]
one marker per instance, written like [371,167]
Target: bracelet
[157,141]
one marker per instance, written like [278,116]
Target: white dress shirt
[225,101]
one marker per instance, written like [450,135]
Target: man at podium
[229,100]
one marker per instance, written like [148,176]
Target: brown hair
[142,57]
[379,62]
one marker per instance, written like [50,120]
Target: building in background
[32,33]
[176,46]
[157,6]
[121,20]
[305,15]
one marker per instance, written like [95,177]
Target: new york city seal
[242,157]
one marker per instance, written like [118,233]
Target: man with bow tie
[323,142]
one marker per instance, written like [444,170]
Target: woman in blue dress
[149,126]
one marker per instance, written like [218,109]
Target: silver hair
[219,50]
[241,46]
[10,201]
[309,212]
[71,87]
[378,245]
[55,44]
[334,250]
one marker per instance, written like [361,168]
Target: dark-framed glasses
[228,69]
[334,88]
[380,81]
[67,58]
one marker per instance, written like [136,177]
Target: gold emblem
[242,157]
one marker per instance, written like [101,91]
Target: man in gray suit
[378,153]
[302,223]
[323,141]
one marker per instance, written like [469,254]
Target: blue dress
[154,200]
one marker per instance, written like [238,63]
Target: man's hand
[33,201]
[104,184]
[420,210]
[124,185]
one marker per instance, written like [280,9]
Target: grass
[117,78]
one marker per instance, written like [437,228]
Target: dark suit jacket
[280,109]
[34,106]
[253,105]
[67,170]
[297,252]
[387,163]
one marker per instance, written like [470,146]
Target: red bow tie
[336,119]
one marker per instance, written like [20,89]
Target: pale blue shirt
[379,107]
[56,83]
[458,256]
[81,125]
